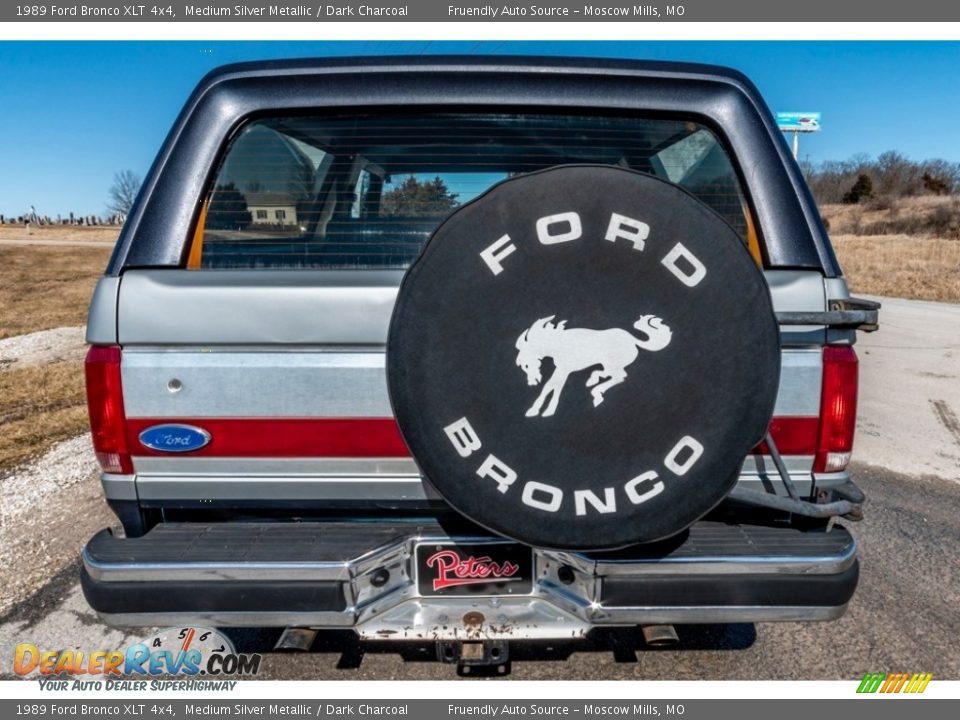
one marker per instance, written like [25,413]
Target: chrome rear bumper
[362,575]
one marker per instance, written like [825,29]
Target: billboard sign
[798,121]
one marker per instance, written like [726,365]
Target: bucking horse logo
[575,349]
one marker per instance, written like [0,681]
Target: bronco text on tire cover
[582,357]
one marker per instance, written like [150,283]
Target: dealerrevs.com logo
[186,652]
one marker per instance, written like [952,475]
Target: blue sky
[74,113]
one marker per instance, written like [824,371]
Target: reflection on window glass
[367,191]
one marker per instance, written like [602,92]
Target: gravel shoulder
[48,509]
[42,396]
[43,346]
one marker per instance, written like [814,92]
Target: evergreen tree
[228,209]
[862,190]
[413,198]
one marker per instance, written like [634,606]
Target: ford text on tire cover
[403,344]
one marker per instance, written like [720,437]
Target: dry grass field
[66,233]
[907,248]
[901,266]
[39,406]
[44,287]
[927,216]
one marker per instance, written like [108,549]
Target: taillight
[105,405]
[793,435]
[838,408]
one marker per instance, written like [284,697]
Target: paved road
[910,389]
[903,617]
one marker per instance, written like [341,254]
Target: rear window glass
[367,191]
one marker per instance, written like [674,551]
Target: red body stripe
[284,437]
[366,437]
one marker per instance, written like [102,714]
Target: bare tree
[123,192]
[897,176]
[892,176]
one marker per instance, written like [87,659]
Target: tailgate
[285,371]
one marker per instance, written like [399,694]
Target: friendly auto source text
[491,710]
[493,11]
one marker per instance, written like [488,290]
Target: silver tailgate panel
[307,344]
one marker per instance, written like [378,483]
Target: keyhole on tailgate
[174,385]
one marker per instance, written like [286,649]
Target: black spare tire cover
[582,357]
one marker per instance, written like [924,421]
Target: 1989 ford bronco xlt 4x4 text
[471,350]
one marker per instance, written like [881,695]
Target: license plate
[471,570]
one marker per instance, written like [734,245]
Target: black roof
[159,224]
[475,63]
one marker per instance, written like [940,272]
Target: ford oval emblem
[174,438]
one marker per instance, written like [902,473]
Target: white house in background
[268,208]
